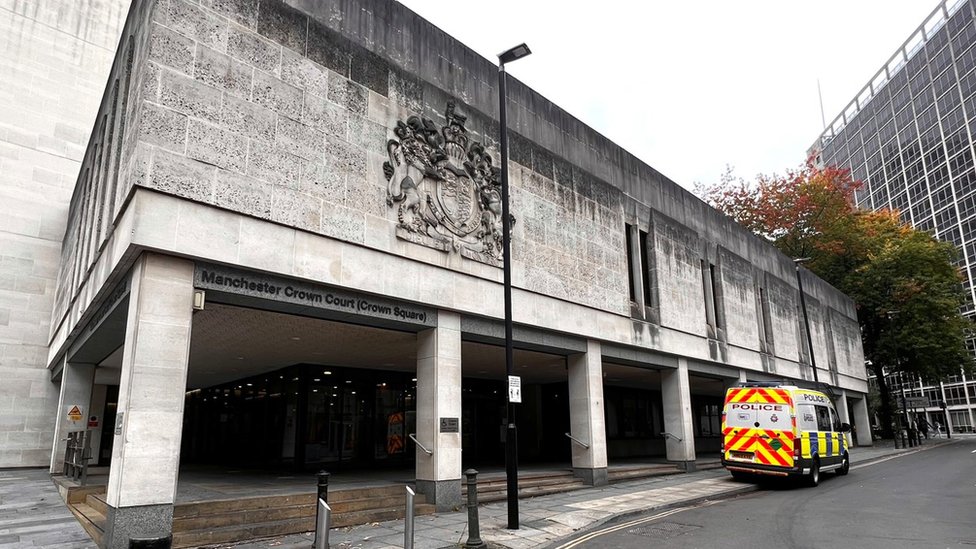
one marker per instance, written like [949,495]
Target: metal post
[323,485]
[408,521]
[806,322]
[511,437]
[322,522]
[908,423]
[474,529]
[323,513]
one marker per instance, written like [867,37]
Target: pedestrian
[923,424]
[938,429]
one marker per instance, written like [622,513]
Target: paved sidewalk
[33,515]
[546,519]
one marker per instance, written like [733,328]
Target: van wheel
[740,476]
[813,479]
[845,466]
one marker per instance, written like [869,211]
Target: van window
[823,418]
[756,415]
[806,417]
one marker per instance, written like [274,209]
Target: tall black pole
[511,436]
[806,322]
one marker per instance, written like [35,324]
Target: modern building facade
[282,250]
[54,59]
[908,135]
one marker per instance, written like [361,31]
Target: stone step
[90,519]
[532,491]
[495,485]
[97,501]
[217,534]
[227,534]
[217,507]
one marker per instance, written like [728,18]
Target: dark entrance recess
[304,417]
[543,418]
[310,417]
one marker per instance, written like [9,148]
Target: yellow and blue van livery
[782,430]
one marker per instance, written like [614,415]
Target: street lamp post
[511,435]
[806,319]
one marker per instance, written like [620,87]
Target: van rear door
[758,426]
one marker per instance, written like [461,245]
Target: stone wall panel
[184,94]
[212,144]
[277,95]
[222,72]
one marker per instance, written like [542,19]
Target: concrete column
[586,421]
[678,421]
[148,428]
[844,414]
[863,422]
[76,390]
[439,398]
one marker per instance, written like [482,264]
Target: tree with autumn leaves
[904,282]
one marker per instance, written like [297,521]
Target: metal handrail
[578,441]
[669,435]
[413,437]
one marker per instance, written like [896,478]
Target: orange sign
[74,413]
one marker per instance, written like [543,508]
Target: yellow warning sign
[74,413]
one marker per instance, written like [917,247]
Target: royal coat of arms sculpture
[445,189]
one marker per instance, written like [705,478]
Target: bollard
[322,495]
[322,521]
[408,521]
[474,529]
[323,491]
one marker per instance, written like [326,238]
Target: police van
[774,429]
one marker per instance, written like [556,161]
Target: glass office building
[908,135]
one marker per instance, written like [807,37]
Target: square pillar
[439,397]
[863,422]
[76,390]
[678,422]
[586,421]
[149,425]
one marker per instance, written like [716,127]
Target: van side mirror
[845,427]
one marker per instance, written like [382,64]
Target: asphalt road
[922,500]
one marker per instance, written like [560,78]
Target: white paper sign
[515,389]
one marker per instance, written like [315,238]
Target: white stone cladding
[54,60]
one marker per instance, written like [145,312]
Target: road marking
[632,523]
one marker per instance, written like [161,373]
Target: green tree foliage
[904,282]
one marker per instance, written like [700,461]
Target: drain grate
[663,530]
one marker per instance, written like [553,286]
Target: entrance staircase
[215,522]
[224,521]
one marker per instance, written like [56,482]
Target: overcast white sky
[692,86]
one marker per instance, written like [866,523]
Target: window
[645,268]
[823,418]
[642,291]
[806,417]
[629,231]
[709,419]
[712,294]
[765,322]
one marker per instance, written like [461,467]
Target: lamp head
[513,54]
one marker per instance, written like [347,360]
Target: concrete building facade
[54,59]
[283,246]
[908,135]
